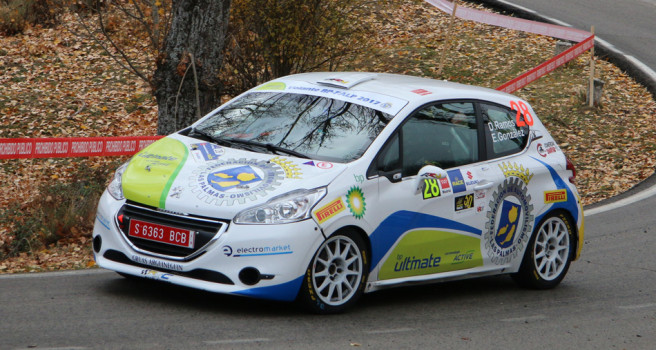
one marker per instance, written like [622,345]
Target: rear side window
[503,136]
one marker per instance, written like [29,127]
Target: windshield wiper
[231,142]
[273,148]
[269,147]
[207,136]
[227,142]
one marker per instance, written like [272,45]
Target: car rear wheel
[336,276]
[548,255]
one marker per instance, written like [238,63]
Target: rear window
[502,133]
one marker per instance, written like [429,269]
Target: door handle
[483,185]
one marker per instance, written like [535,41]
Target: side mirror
[427,175]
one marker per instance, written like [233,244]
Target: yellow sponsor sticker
[555,196]
[329,210]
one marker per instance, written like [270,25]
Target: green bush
[273,38]
[63,211]
[15,15]
[12,18]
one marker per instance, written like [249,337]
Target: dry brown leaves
[613,145]
[57,85]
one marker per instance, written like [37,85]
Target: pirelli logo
[329,210]
[555,196]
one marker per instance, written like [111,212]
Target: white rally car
[319,187]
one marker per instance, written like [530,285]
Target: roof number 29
[523,117]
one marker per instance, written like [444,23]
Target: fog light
[249,276]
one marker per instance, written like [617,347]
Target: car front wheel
[336,276]
[548,255]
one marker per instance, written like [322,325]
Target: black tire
[337,274]
[549,253]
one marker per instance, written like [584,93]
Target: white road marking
[392,330]
[634,307]
[622,202]
[524,319]
[236,341]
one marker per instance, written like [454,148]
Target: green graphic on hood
[276,85]
[151,172]
[424,252]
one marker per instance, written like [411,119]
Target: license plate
[161,233]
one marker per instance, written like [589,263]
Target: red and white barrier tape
[548,66]
[524,25]
[73,146]
[585,39]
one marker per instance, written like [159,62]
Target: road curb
[603,49]
[44,274]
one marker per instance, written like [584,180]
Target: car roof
[415,90]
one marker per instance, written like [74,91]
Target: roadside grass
[55,85]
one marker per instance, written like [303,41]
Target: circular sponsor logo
[510,221]
[324,165]
[355,202]
[541,150]
[235,180]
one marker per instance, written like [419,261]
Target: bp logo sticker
[510,221]
[355,202]
[227,181]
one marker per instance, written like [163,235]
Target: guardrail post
[598,86]
[591,85]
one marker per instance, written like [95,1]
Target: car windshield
[317,127]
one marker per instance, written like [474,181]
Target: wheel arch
[361,232]
[314,298]
[570,221]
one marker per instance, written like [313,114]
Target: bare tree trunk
[198,31]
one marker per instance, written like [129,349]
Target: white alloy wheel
[337,270]
[549,253]
[336,275]
[551,250]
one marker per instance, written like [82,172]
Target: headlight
[115,187]
[289,207]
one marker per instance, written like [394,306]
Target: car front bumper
[262,261]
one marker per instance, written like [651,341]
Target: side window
[389,160]
[444,135]
[503,135]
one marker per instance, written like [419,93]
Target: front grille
[205,230]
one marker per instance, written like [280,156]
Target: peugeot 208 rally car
[320,187]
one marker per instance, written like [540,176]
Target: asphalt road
[607,301]
[625,29]
[630,25]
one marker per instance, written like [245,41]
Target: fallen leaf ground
[56,85]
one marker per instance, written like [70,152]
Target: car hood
[186,175]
